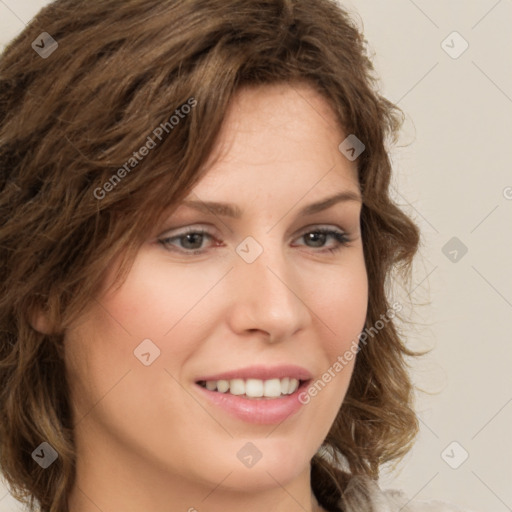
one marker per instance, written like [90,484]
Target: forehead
[279,137]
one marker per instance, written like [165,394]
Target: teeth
[272,388]
[254,388]
[292,386]
[221,385]
[237,387]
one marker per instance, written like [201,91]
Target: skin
[146,438]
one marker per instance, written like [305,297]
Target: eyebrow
[231,210]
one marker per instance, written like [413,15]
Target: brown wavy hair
[68,122]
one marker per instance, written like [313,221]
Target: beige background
[454,177]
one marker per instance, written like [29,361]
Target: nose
[268,297]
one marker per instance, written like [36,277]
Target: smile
[254,388]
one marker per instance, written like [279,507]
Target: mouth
[264,395]
[255,388]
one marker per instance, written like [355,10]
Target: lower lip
[262,411]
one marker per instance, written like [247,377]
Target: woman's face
[258,299]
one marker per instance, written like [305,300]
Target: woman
[197,238]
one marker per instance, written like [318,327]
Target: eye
[191,241]
[319,236]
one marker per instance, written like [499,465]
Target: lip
[261,411]
[262,373]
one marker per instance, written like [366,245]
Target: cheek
[342,305]
[100,346]
[144,305]
[161,292]
[153,303]
[154,298]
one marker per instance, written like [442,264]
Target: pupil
[315,235]
[192,235]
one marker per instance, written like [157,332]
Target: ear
[40,321]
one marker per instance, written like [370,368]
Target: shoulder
[399,501]
[364,494]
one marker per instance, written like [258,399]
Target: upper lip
[262,373]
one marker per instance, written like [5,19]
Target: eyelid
[341,237]
[172,232]
[178,231]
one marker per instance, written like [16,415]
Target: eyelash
[342,240]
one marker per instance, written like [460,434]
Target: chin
[265,462]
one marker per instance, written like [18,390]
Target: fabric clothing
[364,495]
